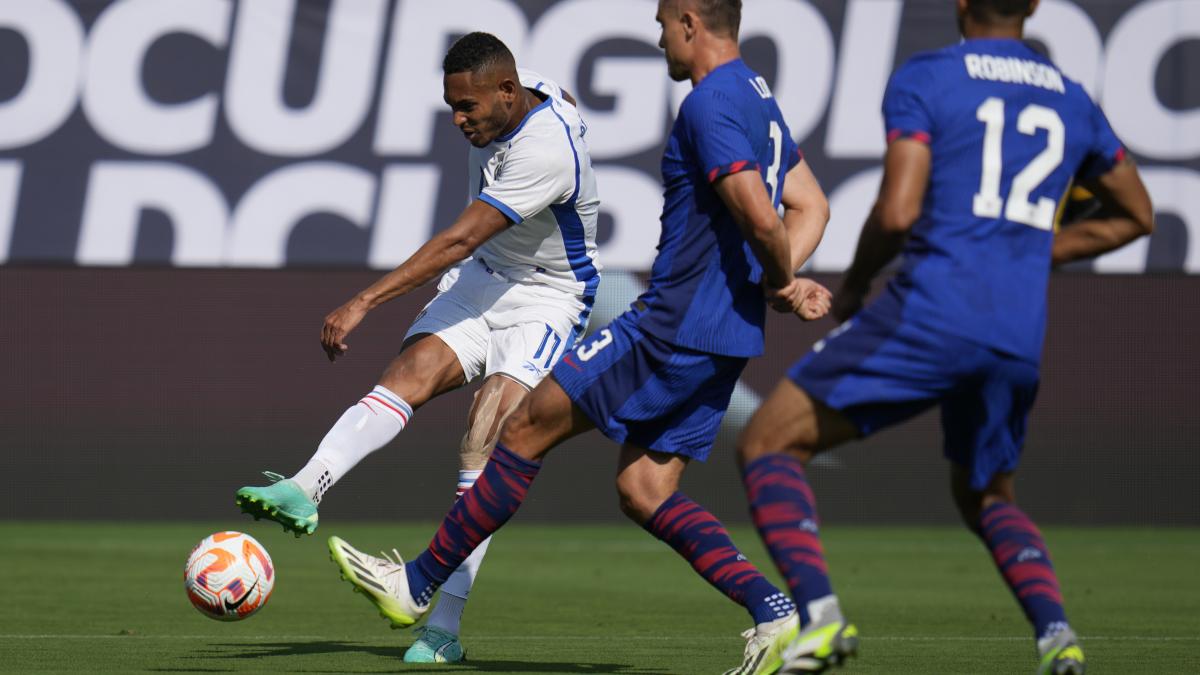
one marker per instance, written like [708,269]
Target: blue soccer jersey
[1008,134]
[704,289]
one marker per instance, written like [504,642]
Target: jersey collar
[509,136]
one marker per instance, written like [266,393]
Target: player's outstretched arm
[747,199]
[905,178]
[477,223]
[1126,214]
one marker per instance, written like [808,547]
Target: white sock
[447,613]
[365,427]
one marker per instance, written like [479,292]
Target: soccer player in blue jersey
[985,138]
[658,379]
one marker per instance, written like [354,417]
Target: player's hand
[338,325]
[848,302]
[784,299]
[812,300]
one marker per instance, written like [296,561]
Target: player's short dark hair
[991,10]
[721,16]
[474,52]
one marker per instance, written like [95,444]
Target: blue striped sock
[495,497]
[1020,554]
[785,513]
[700,538]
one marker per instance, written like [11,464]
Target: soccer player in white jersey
[519,277]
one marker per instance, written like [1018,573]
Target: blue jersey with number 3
[1008,134]
[704,289]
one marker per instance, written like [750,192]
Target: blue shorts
[641,390]
[879,371]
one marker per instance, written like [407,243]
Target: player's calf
[1021,556]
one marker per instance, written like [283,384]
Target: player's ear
[508,89]
[688,19]
[1033,5]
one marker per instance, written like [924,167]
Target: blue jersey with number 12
[704,289]
[1008,133]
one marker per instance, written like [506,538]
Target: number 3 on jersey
[586,352]
[988,203]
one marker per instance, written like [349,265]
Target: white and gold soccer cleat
[765,644]
[381,580]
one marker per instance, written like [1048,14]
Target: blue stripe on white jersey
[571,226]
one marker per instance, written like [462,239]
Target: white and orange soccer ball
[229,576]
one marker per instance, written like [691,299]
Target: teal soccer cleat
[435,645]
[283,501]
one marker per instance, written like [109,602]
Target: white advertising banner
[271,133]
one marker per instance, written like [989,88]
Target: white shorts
[497,326]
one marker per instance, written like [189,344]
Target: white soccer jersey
[540,176]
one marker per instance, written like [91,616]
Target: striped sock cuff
[465,480]
[382,400]
[510,459]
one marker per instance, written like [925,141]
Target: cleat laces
[394,559]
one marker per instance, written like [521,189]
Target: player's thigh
[494,402]
[544,418]
[792,421]
[446,345]
[426,367]
[645,479]
[872,372]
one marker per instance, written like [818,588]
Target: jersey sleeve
[906,112]
[792,153]
[717,134]
[535,173]
[1105,150]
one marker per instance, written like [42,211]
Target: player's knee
[636,506]
[638,498]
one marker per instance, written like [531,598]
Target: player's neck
[974,30]
[524,104]
[713,56]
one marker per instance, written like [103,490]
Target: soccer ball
[229,576]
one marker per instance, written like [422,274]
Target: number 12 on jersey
[988,202]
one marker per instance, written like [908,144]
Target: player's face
[479,105]
[673,40]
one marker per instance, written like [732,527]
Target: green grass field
[589,599]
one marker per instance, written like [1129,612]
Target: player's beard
[490,127]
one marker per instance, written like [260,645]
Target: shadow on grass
[259,650]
